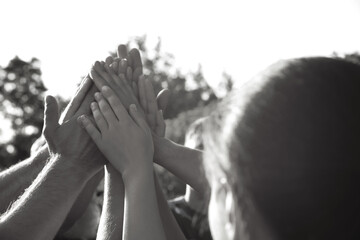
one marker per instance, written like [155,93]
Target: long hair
[289,145]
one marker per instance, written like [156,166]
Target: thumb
[163,99]
[51,118]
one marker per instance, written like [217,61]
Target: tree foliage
[21,97]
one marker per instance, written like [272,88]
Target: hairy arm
[14,180]
[43,204]
[74,160]
[12,186]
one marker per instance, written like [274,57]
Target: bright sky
[239,37]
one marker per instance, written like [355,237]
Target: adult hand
[79,104]
[70,141]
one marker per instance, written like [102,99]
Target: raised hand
[123,137]
[69,140]
[133,62]
[79,101]
[104,75]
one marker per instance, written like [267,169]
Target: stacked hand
[115,121]
[68,139]
[119,133]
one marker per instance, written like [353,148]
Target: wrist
[41,156]
[72,168]
[133,178]
[162,149]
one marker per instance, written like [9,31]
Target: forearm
[17,178]
[111,221]
[141,216]
[47,202]
[171,228]
[185,163]
[82,202]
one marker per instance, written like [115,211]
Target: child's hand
[124,138]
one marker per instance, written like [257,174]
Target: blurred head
[282,155]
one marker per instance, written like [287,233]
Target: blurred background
[199,50]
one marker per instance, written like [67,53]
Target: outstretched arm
[12,186]
[51,195]
[14,180]
[112,216]
[171,227]
[118,135]
[185,163]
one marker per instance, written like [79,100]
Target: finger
[163,99]
[109,60]
[123,66]
[160,124]
[151,104]
[103,72]
[135,90]
[114,77]
[150,97]
[125,84]
[134,55]
[114,102]
[90,129]
[78,98]
[122,51]
[114,67]
[105,109]
[129,74]
[99,118]
[51,118]
[136,74]
[98,80]
[139,120]
[142,94]
[136,64]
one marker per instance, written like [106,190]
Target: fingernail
[93,105]
[105,90]
[133,107]
[82,119]
[97,95]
